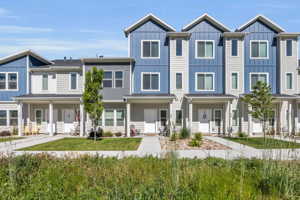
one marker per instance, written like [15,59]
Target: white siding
[37,80]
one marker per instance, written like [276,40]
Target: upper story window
[259,49]
[289,47]
[150,81]
[73,81]
[234,47]
[45,82]
[205,81]
[178,81]
[150,48]
[255,77]
[205,49]
[289,80]
[178,47]
[234,80]
[118,79]
[108,79]
[9,81]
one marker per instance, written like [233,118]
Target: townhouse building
[192,78]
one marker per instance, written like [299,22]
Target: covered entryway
[204,120]
[150,116]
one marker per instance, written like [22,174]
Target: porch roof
[152,97]
[49,97]
[211,97]
[280,96]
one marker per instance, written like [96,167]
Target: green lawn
[7,139]
[83,144]
[260,143]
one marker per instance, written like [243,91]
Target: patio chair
[134,131]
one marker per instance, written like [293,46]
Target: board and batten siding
[37,83]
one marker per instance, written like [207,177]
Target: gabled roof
[263,19]
[24,53]
[148,17]
[209,18]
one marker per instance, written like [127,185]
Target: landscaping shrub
[194,143]
[198,136]
[118,134]
[15,131]
[98,132]
[173,137]
[5,133]
[184,133]
[107,134]
[242,135]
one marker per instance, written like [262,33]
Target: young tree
[92,98]
[260,99]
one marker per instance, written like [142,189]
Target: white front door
[257,126]
[217,122]
[204,120]
[69,119]
[150,117]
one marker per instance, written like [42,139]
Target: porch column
[296,118]
[28,114]
[170,118]
[51,133]
[81,110]
[290,118]
[227,118]
[190,115]
[20,119]
[128,119]
[249,121]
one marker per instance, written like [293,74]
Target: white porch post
[128,119]
[290,118]
[250,123]
[190,115]
[28,114]
[296,118]
[20,119]
[51,133]
[81,119]
[170,117]
[227,118]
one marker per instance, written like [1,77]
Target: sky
[87,28]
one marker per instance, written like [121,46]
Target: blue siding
[206,31]
[259,31]
[18,65]
[150,31]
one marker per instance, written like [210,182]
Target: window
[109,117]
[150,49]
[255,77]
[204,49]
[289,81]
[235,118]
[3,118]
[289,48]
[99,122]
[234,80]
[259,49]
[120,117]
[178,47]
[13,117]
[234,47]
[107,79]
[150,81]
[45,82]
[73,81]
[12,81]
[163,117]
[178,81]
[178,117]
[2,81]
[118,79]
[38,116]
[205,81]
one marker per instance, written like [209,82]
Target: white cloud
[4,13]
[22,29]
[90,31]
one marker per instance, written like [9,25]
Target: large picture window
[150,81]
[150,49]
[205,49]
[259,49]
[205,81]
[255,77]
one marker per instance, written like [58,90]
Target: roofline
[179,34]
[146,18]
[286,34]
[24,52]
[265,19]
[55,68]
[149,97]
[108,60]
[210,97]
[235,34]
[210,18]
[47,98]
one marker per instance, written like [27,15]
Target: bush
[198,136]
[118,134]
[194,143]
[173,137]
[107,134]
[5,133]
[242,135]
[184,133]
[98,133]
[15,131]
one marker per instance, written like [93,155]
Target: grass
[269,143]
[83,144]
[7,139]
[45,177]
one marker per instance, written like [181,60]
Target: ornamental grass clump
[184,133]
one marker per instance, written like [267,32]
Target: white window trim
[214,114]
[47,81]
[7,118]
[42,115]
[238,79]
[286,80]
[70,80]
[237,55]
[181,81]
[196,81]
[142,82]
[255,58]
[114,114]
[286,41]
[196,49]
[142,47]
[6,81]
[114,77]
[266,73]
[181,47]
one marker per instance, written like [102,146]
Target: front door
[69,119]
[150,117]
[217,120]
[204,120]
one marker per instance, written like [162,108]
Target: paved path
[150,145]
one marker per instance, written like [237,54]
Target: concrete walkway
[150,145]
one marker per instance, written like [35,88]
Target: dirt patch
[182,144]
